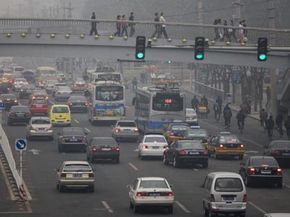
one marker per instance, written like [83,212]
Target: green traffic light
[199,56]
[262,57]
[140,55]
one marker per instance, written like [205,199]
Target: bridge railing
[188,31]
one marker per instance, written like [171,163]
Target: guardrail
[10,159]
[182,31]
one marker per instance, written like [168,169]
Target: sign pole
[21,165]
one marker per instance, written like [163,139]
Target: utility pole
[237,8]
[200,11]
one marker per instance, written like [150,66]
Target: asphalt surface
[111,194]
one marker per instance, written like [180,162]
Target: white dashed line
[133,166]
[87,129]
[182,207]
[256,207]
[106,205]
[76,121]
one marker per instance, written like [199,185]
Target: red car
[38,103]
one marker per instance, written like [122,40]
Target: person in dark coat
[93,24]
[131,25]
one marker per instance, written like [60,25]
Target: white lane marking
[133,166]
[106,205]
[87,129]
[76,121]
[182,207]
[256,207]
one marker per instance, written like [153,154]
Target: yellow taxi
[175,131]
[226,144]
[60,115]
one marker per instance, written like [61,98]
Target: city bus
[156,107]
[107,101]
[43,74]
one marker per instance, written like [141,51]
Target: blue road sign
[20,144]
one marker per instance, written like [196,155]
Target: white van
[225,194]
[191,116]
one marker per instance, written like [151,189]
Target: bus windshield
[167,102]
[108,77]
[109,93]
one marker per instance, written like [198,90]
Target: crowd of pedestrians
[228,33]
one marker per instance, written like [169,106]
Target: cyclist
[287,126]
[194,103]
[241,116]
[270,126]
[227,116]
[279,123]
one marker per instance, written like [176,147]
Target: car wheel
[91,189]
[60,149]
[205,164]
[165,160]
[243,214]
[211,214]
[215,156]
[60,188]
[117,160]
[280,184]
[136,209]
[131,205]
[176,162]
[241,157]
[205,212]
[170,209]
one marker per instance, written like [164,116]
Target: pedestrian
[270,126]
[216,29]
[195,103]
[279,123]
[163,26]
[131,25]
[232,32]
[118,26]
[245,30]
[219,102]
[287,126]
[93,24]
[157,26]
[241,116]
[227,116]
[263,118]
[226,33]
[124,25]
[217,111]
[241,33]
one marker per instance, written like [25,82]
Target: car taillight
[15,101]
[136,130]
[251,170]
[91,175]
[117,130]
[181,152]
[31,128]
[141,194]
[145,146]
[242,145]
[212,198]
[96,148]
[63,175]
[245,198]
[205,152]
[171,134]
[221,145]
[275,152]
[165,146]
[170,194]
[116,149]
[279,171]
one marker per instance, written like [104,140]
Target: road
[111,195]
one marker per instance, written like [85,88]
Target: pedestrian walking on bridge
[93,24]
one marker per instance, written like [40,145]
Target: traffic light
[199,48]
[262,50]
[140,47]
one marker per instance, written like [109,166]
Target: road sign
[20,144]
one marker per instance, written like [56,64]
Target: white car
[50,85]
[152,146]
[125,130]
[39,127]
[191,116]
[19,83]
[75,174]
[62,93]
[151,191]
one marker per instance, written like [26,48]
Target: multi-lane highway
[111,195]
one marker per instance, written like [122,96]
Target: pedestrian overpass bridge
[70,38]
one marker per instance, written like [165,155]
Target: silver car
[152,146]
[75,174]
[39,127]
[62,93]
[125,130]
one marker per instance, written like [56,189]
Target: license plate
[73,140]
[41,129]
[77,175]
[265,171]
[38,106]
[155,147]
[193,153]
[154,194]
[106,149]
[228,198]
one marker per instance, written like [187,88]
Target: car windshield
[73,131]
[229,139]
[19,109]
[126,124]
[39,101]
[263,161]
[153,184]
[40,121]
[281,145]
[228,185]
[104,142]
[155,139]
[200,133]
[77,168]
[60,109]
[77,98]
[179,128]
[190,144]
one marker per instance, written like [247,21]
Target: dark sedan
[186,152]
[72,139]
[9,100]
[78,103]
[18,114]
[261,169]
[280,150]
[103,148]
